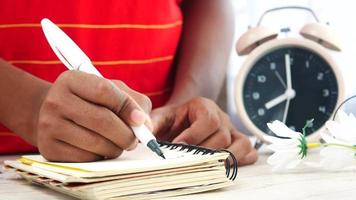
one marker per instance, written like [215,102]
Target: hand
[85,118]
[201,122]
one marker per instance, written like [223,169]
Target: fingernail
[138,117]
[149,126]
[133,146]
[179,141]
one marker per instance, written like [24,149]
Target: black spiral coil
[203,151]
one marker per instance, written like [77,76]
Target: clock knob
[253,38]
[321,34]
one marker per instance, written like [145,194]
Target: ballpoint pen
[75,59]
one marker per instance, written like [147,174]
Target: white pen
[75,59]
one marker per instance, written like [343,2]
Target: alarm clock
[288,79]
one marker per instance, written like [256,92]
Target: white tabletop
[254,182]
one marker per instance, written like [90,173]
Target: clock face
[292,85]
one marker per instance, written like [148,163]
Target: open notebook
[138,174]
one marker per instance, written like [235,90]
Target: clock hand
[287,95]
[276,101]
[288,72]
[286,108]
[289,86]
[280,79]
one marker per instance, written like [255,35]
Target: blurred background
[339,14]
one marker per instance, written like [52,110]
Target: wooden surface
[253,182]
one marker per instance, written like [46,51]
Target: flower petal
[342,116]
[341,133]
[280,129]
[293,163]
[282,156]
[284,145]
[287,160]
[330,139]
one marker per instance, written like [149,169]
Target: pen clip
[64,60]
[63,46]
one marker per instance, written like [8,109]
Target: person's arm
[21,98]
[191,115]
[80,117]
[205,47]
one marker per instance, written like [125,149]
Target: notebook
[138,174]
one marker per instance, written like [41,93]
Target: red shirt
[131,40]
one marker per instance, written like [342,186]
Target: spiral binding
[203,151]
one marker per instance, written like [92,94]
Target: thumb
[129,110]
[157,118]
[162,120]
[133,107]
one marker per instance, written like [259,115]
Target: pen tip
[163,156]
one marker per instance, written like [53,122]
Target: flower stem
[314,145]
[353,147]
[318,145]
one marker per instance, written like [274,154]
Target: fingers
[242,149]
[58,151]
[89,115]
[162,120]
[206,123]
[210,127]
[86,139]
[220,139]
[95,118]
[143,101]
[250,158]
[103,92]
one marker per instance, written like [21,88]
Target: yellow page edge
[28,161]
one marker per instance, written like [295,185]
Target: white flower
[344,129]
[340,148]
[289,150]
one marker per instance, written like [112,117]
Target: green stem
[353,147]
[317,145]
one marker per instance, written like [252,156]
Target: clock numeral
[261,78]
[320,76]
[272,66]
[322,109]
[255,95]
[307,65]
[326,92]
[261,111]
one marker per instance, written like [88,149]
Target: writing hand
[85,118]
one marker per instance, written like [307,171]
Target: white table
[253,182]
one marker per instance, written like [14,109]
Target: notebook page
[138,160]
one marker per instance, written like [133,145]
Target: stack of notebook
[137,174]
